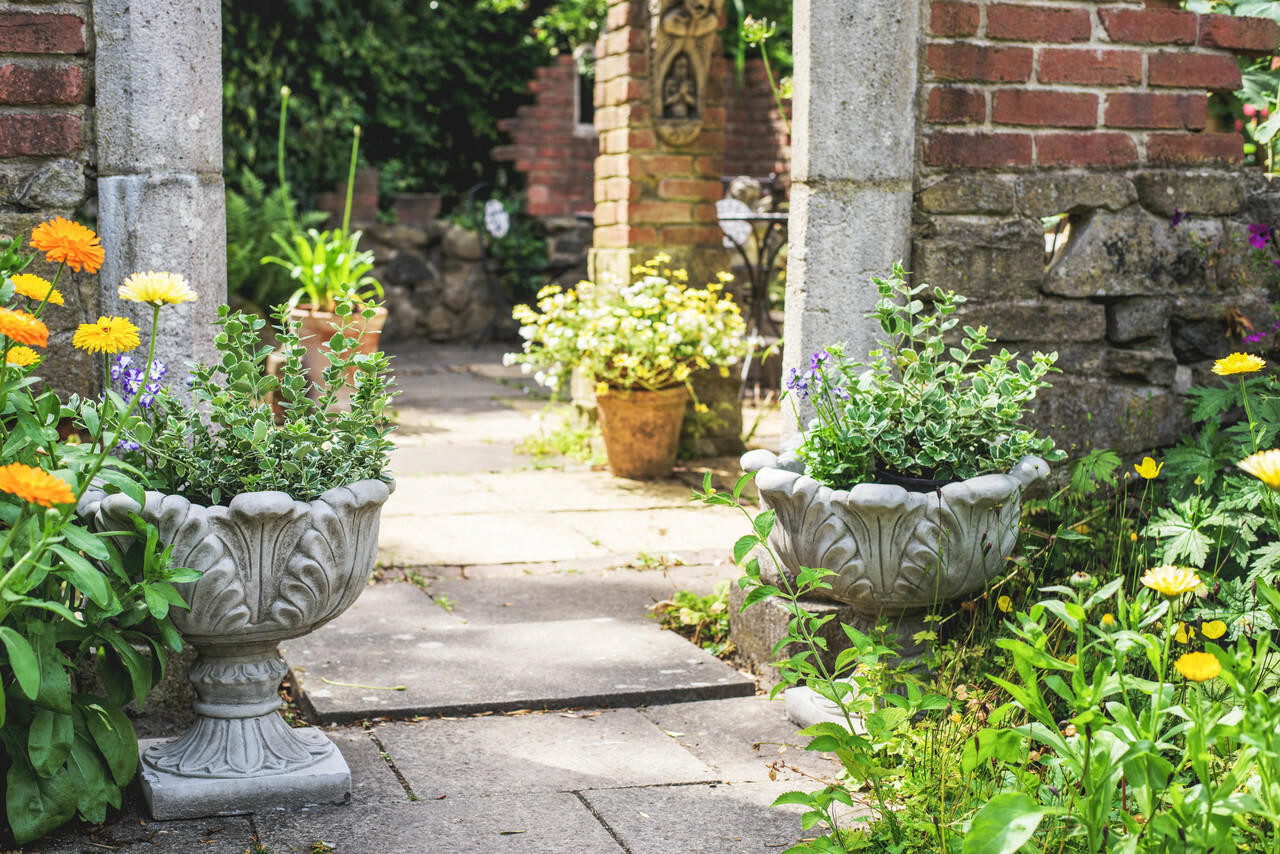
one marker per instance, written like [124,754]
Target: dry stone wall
[1096,110]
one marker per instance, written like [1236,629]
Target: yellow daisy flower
[34,485]
[1238,363]
[1005,604]
[156,289]
[34,287]
[1265,466]
[1148,468]
[1108,621]
[1185,633]
[21,356]
[1198,666]
[108,335]
[1213,629]
[1170,580]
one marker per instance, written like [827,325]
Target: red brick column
[652,196]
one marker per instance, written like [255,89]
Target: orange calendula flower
[23,327]
[1170,580]
[1213,629]
[108,335]
[1265,466]
[34,485]
[1198,666]
[36,288]
[21,356]
[1148,468]
[157,289]
[63,240]
[1238,363]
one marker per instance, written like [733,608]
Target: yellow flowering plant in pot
[639,343]
[71,599]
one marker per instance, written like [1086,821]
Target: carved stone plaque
[682,40]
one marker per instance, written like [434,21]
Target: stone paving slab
[551,752]
[701,819]
[585,491]
[372,780]
[693,557]
[548,823]
[458,455]
[133,832]
[442,494]
[740,737]
[487,538]
[628,532]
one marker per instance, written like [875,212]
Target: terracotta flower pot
[316,328]
[641,430]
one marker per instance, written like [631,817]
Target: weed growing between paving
[704,620]
[568,439]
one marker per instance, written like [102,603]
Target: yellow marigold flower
[36,288]
[23,327]
[1184,634]
[1265,466]
[1198,666]
[34,485]
[108,335]
[1108,621]
[602,388]
[1213,629]
[156,288]
[1238,363]
[956,718]
[62,240]
[1133,536]
[1171,580]
[1148,468]
[1005,604]
[21,356]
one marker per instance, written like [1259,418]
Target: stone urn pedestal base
[240,756]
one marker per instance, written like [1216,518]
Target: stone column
[161,202]
[853,156]
[660,118]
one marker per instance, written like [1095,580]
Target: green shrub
[253,215]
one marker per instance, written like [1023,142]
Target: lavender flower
[128,445]
[1259,234]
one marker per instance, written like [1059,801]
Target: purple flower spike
[816,360]
[1259,233]
[128,445]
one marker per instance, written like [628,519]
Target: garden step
[396,653]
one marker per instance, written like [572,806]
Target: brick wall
[1097,110]
[556,156]
[548,146]
[46,152]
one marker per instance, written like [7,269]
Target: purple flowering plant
[920,405]
[129,378]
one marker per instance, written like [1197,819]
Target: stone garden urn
[897,555]
[273,569]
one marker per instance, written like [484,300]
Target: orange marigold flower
[108,335]
[36,288]
[63,240]
[21,356]
[34,485]
[23,327]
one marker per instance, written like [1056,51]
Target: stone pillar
[660,118]
[161,202]
[853,154]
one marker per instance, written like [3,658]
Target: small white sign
[496,219]
[736,231]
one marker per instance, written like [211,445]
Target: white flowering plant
[651,334]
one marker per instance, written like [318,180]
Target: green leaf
[85,576]
[36,805]
[87,542]
[743,547]
[22,658]
[96,791]
[113,733]
[49,741]
[763,524]
[1004,824]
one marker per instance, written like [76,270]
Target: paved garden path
[501,685]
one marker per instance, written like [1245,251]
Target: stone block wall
[47,157]
[1096,110]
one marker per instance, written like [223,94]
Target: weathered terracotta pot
[316,328]
[641,430]
[894,552]
[273,569]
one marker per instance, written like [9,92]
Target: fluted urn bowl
[273,569]
[894,552]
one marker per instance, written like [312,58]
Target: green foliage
[920,406]
[239,447]
[427,82]
[566,440]
[330,266]
[702,619]
[70,597]
[519,257]
[254,217]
